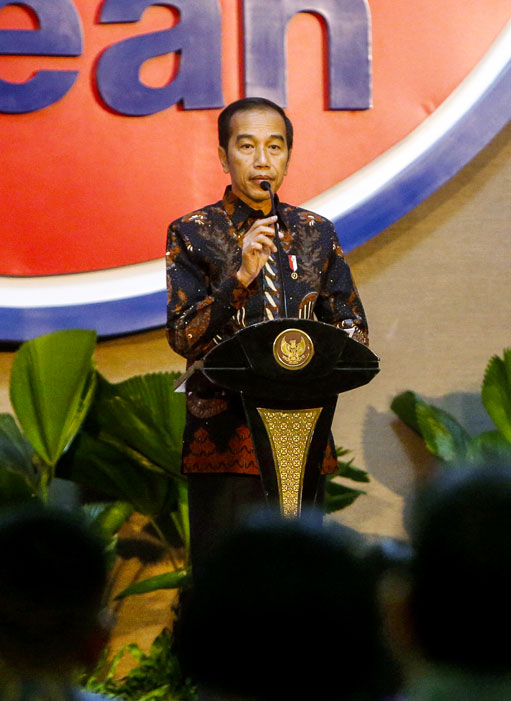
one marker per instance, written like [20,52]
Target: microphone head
[265,185]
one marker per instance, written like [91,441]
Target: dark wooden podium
[289,373]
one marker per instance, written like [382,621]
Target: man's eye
[246,147]
[275,147]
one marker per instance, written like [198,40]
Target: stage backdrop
[108,129]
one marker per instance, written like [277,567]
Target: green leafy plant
[337,495]
[130,449]
[52,386]
[123,440]
[446,438]
[157,677]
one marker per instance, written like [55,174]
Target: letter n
[349,61]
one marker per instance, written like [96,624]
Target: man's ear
[222,155]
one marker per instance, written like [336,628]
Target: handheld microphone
[265,185]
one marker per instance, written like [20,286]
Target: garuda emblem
[293,349]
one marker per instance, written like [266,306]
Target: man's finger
[263,240]
[269,220]
[267,223]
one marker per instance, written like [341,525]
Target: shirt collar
[240,212]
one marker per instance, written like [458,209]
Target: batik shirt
[207,304]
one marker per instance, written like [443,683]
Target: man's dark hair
[52,580]
[258,620]
[461,578]
[244,105]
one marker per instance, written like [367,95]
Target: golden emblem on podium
[293,349]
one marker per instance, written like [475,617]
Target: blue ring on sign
[432,170]
[116,317]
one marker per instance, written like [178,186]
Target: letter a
[198,38]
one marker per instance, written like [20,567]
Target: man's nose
[261,157]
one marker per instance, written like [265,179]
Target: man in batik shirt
[222,276]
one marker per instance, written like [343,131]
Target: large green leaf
[52,386]
[155,392]
[145,418]
[405,406]
[444,436]
[168,580]
[489,447]
[496,392]
[102,467]
[16,452]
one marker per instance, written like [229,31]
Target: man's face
[257,151]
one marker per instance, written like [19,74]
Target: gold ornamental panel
[293,349]
[290,434]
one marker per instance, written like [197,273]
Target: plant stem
[46,473]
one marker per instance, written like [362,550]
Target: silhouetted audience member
[450,619]
[52,578]
[286,610]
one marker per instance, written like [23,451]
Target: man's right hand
[257,246]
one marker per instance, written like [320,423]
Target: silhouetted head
[461,580]
[285,609]
[52,578]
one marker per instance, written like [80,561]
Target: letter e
[60,35]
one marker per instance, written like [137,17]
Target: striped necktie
[271,289]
